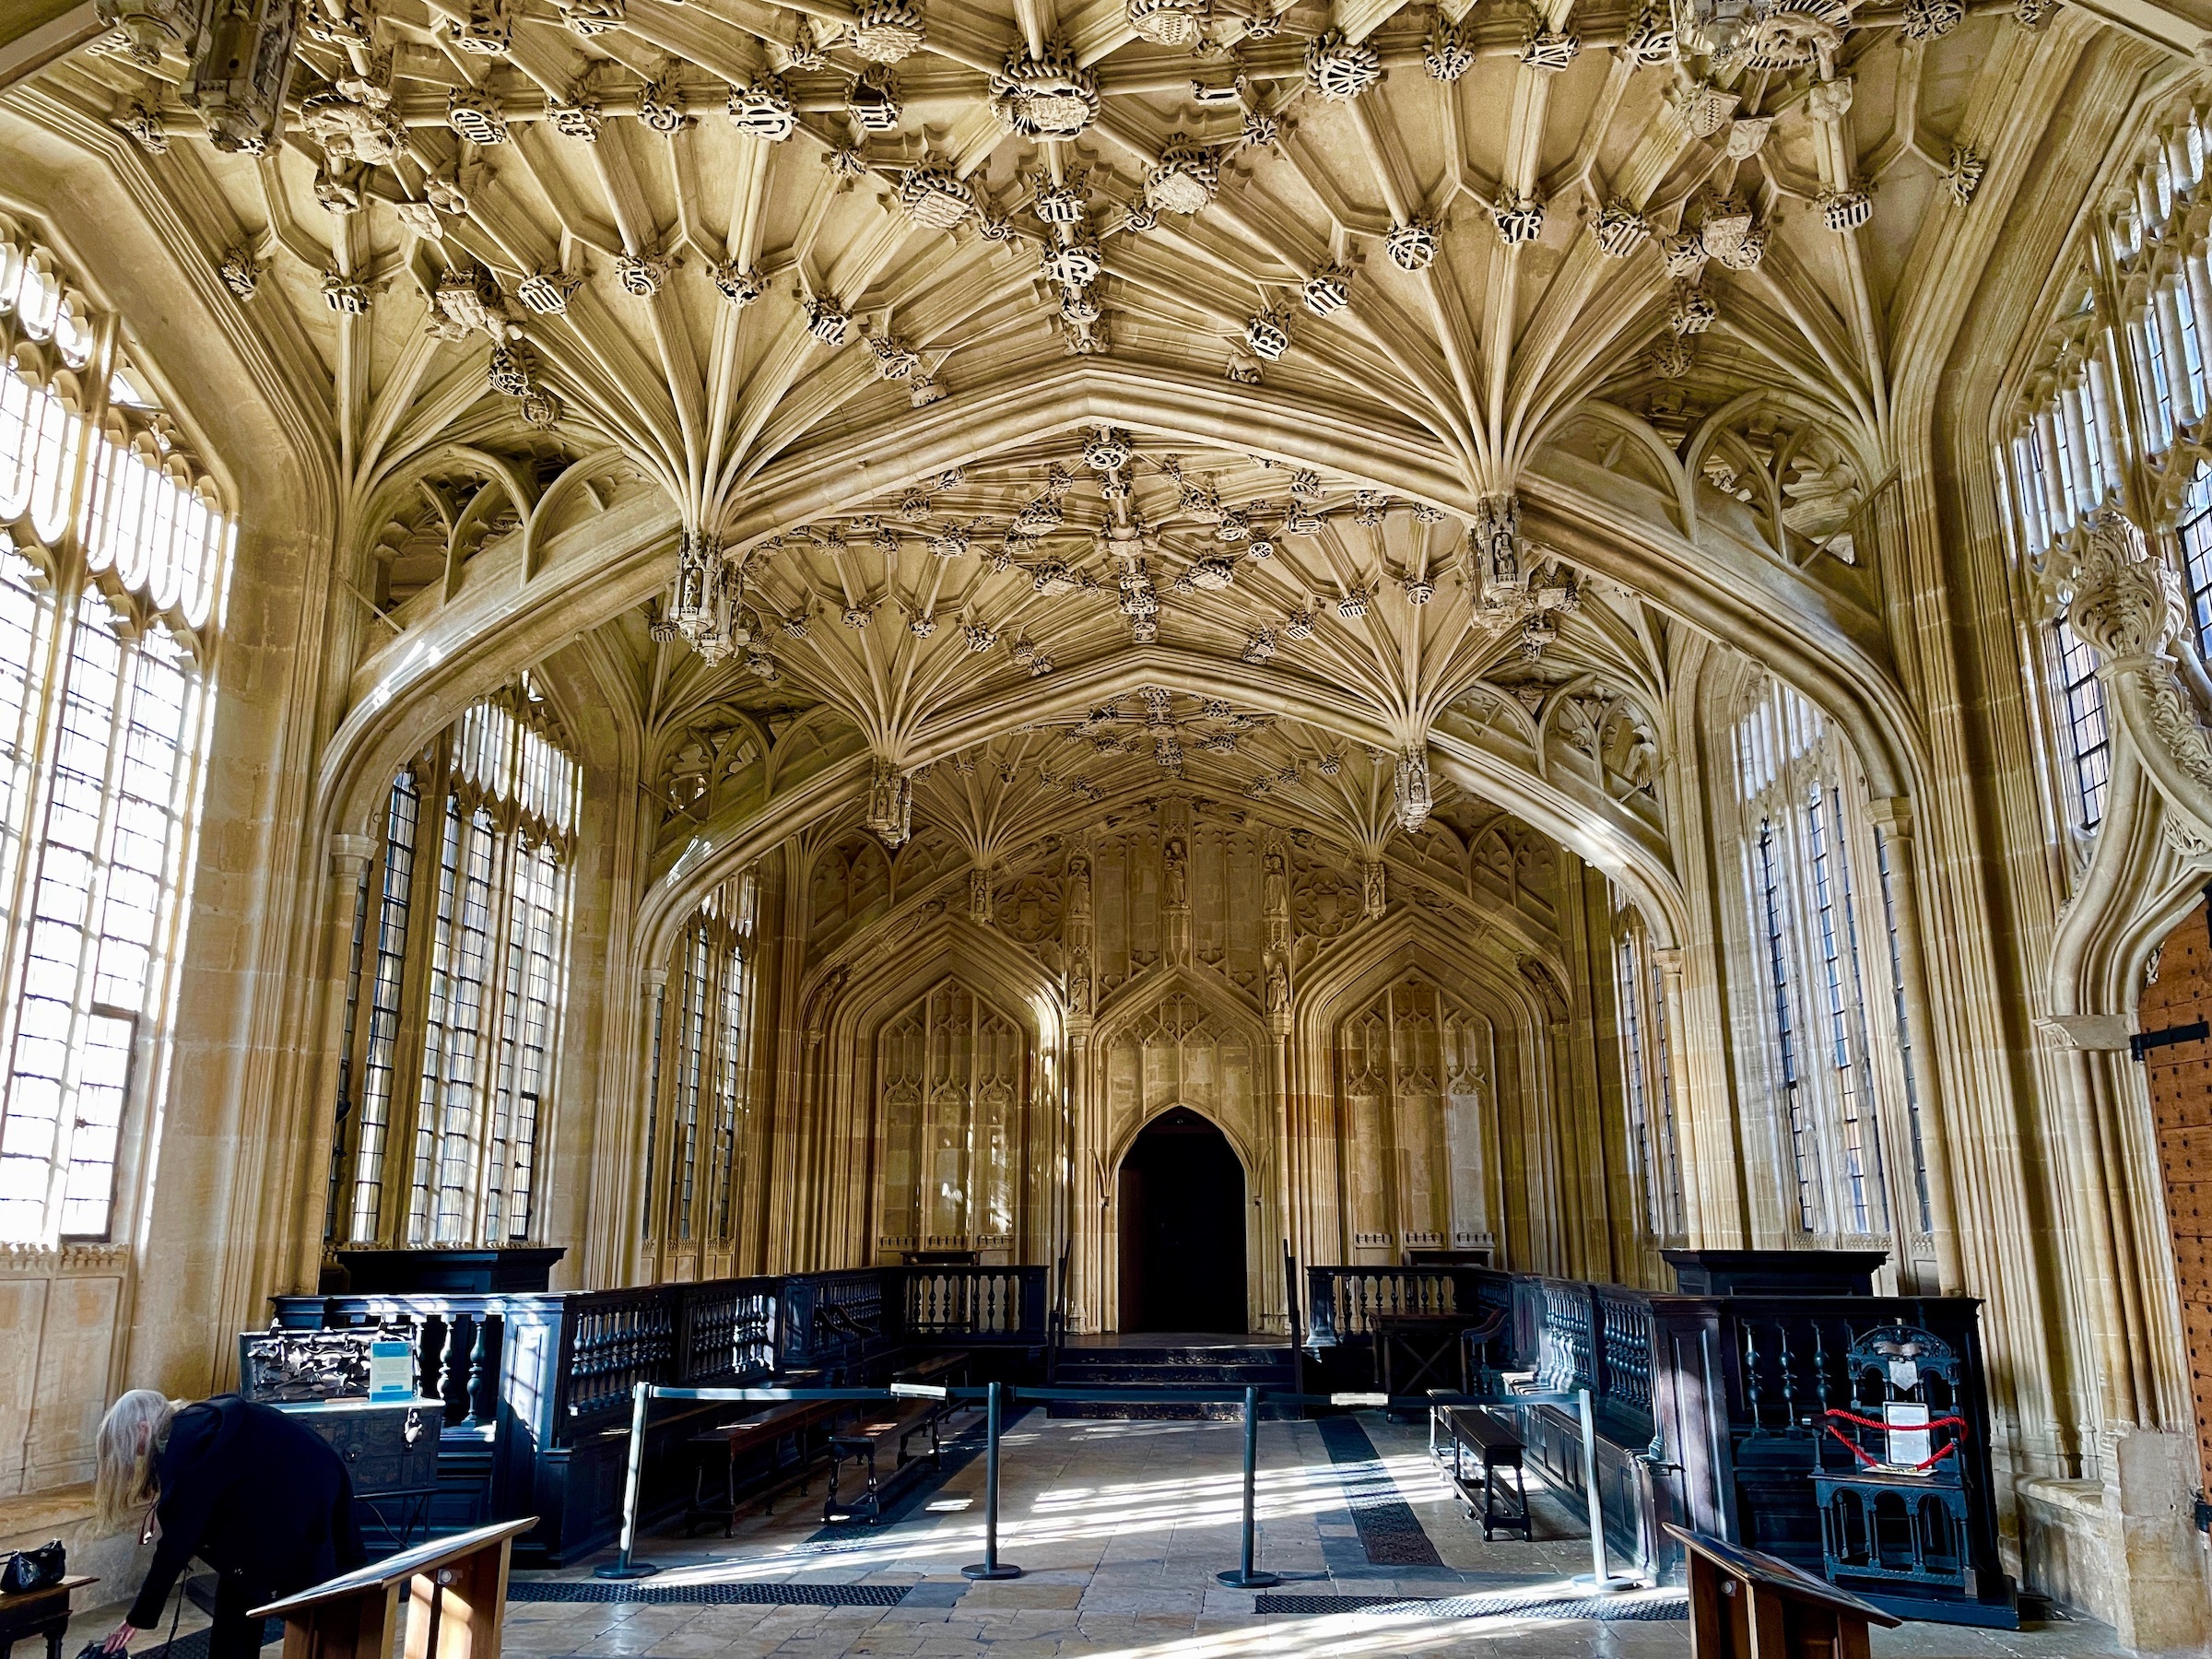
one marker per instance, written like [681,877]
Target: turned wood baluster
[1753,1388]
[453,1372]
[1789,1374]
[480,1373]
[429,1344]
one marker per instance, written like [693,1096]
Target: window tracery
[459,977]
[114,551]
[1838,1046]
[950,1070]
[2118,411]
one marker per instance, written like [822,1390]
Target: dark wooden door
[1182,1228]
[2179,1070]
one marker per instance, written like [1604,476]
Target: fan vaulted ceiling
[1353,372]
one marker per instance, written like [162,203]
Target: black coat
[249,1490]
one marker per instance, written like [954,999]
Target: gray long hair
[131,1437]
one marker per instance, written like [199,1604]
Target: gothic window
[699,1117]
[459,980]
[1785,1036]
[1838,1050]
[1904,1032]
[391,882]
[2135,318]
[648,1211]
[1833,939]
[2088,739]
[114,552]
[2196,532]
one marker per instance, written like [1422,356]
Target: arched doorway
[1182,1228]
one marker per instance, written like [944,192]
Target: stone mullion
[2130,377]
[491,1030]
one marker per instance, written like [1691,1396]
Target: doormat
[1389,1531]
[1608,1609]
[709,1595]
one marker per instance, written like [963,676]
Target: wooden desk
[1415,1352]
[37,1613]
[1745,1603]
[456,1591]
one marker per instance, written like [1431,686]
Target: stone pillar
[349,857]
[1892,817]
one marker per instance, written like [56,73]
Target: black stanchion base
[987,1570]
[625,1570]
[1611,1584]
[1236,1578]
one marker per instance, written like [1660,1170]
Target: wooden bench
[883,1434]
[36,1613]
[783,1431]
[1497,1448]
[947,1370]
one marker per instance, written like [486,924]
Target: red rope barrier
[1872,1462]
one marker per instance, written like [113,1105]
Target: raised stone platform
[1171,1359]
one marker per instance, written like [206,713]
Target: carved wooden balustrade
[1711,1409]
[538,1387]
[1344,1305]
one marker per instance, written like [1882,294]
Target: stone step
[1172,1365]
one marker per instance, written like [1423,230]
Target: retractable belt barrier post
[1245,1576]
[991,1566]
[1600,1578]
[623,1566]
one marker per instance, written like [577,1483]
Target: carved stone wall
[1377,1039]
[951,1082]
[1413,1092]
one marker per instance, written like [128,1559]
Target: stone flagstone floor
[1119,1528]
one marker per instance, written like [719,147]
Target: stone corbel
[2087,1033]
[2127,606]
[349,857]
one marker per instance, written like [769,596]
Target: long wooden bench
[789,1433]
[883,1434]
[1497,1449]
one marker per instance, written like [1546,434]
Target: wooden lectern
[1747,1605]
[456,1591]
